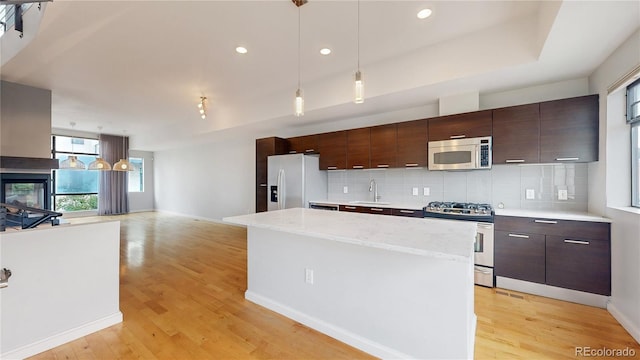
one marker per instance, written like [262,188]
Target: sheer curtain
[113,192]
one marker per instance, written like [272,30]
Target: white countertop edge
[383,246]
[552,214]
[246,220]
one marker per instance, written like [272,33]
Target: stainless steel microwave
[460,154]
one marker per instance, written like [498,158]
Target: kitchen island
[394,287]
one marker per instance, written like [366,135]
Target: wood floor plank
[182,284]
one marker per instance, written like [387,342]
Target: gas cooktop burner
[460,211]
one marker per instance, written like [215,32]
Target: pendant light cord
[358,32]
[298,48]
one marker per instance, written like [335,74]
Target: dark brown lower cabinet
[366,209]
[349,208]
[407,212]
[520,256]
[579,264]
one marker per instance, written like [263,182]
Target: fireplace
[33,190]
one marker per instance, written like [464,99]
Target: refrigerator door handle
[279,187]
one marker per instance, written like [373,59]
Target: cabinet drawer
[579,229]
[520,256]
[352,208]
[579,264]
[378,211]
[407,212]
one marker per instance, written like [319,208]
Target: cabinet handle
[376,209]
[545,221]
[292,151]
[383,166]
[486,272]
[350,207]
[519,236]
[407,211]
[579,242]
[263,185]
[512,161]
[568,159]
[411,165]
[332,167]
[457,136]
[310,150]
[358,167]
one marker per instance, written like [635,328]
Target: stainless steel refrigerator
[293,180]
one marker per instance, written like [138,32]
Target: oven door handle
[486,272]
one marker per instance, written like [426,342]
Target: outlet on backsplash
[530,194]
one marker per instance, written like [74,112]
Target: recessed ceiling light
[241,50]
[325,51]
[424,13]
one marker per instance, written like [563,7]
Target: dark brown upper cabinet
[569,130]
[333,150]
[384,146]
[303,144]
[516,134]
[458,126]
[265,148]
[412,143]
[358,148]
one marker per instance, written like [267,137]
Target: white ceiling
[141,66]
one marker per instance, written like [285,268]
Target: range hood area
[25,129]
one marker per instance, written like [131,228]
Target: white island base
[377,290]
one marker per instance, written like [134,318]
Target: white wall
[609,186]
[209,181]
[65,285]
[143,201]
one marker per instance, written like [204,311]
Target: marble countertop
[426,237]
[552,214]
[371,204]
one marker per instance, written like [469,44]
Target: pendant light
[99,163]
[123,164]
[299,101]
[72,162]
[202,106]
[358,85]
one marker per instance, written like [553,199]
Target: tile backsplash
[506,184]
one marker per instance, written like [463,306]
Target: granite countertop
[425,237]
[552,214]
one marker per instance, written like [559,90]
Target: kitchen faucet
[373,186]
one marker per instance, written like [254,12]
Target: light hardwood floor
[182,296]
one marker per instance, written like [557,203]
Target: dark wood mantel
[15,162]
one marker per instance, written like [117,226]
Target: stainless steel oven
[483,246]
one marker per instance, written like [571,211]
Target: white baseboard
[627,324]
[335,332]
[142,210]
[62,338]
[217,221]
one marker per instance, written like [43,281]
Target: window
[74,190]
[136,176]
[633,118]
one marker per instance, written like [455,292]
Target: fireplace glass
[26,189]
[29,194]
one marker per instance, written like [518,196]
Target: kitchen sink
[369,203]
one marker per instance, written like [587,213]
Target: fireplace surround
[33,190]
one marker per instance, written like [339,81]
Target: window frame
[634,129]
[141,174]
[55,152]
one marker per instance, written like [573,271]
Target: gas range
[459,211]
